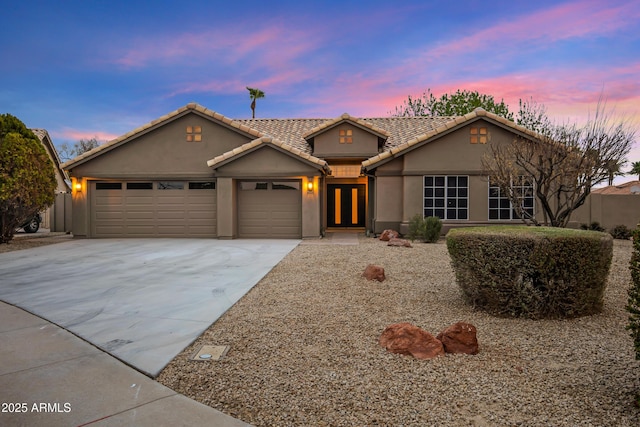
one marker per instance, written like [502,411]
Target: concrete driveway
[141,300]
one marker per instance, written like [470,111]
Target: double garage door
[153,209]
[266,209]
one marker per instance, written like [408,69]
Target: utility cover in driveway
[141,300]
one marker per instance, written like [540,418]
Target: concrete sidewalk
[50,377]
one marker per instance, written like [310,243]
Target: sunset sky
[84,69]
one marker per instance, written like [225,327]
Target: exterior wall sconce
[78,186]
[309,185]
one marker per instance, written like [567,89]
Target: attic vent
[479,135]
[194,133]
[346,136]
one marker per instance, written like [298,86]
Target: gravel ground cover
[304,350]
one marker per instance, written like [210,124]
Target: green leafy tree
[254,94]
[27,178]
[68,152]
[635,169]
[455,104]
[533,116]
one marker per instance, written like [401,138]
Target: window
[479,135]
[194,133]
[346,136]
[139,186]
[286,185]
[209,185]
[500,207]
[108,186]
[249,185]
[171,185]
[446,197]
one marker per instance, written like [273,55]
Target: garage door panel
[151,212]
[268,212]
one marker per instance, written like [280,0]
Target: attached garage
[269,209]
[153,208]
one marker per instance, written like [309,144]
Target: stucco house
[197,173]
[57,217]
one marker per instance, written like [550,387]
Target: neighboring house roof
[264,141]
[46,140]
[631,187]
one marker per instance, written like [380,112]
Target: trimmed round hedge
[531,272]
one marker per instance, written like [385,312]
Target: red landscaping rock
[388,235]
[374,272]
[405,338]
[459,338]
[400,243]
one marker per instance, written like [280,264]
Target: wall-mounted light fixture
[78,186]
[310,185]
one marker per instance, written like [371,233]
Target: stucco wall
[609,210]
[266,161]
[164,152]
[327,144]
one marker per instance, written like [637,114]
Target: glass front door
[346,205]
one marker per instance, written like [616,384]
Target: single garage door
[270,209]
[153,209]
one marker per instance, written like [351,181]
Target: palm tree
[635,169]
[254,94]
[613,168]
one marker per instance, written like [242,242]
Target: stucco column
[226,208]
[311,208]
[80,207]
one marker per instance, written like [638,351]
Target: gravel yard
[304,350]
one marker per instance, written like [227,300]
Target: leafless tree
[562,161]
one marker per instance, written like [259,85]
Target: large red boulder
[374,272]
[460,338]
[388,235]
[405,338]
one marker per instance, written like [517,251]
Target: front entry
[346,205]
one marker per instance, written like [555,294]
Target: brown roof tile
[619,189]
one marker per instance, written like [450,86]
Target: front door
[346,204]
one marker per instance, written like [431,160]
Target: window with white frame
[446,197]
[501,208]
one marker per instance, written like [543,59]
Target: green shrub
[533,272]
[425,229]
[621,232]
[634,293]
[594,226]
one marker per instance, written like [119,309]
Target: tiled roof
[439,125]
[329,123]
[192,106]
[401,133]
[619,189]
[293,131]
[266,140]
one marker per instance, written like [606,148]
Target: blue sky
[84,69]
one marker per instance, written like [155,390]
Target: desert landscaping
[304,350]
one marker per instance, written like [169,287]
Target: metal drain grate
[210,352]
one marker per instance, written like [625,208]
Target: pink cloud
[269,45]
[68,134]
[578,19]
